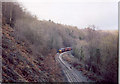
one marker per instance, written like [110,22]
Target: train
[61,50]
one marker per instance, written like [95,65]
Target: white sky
[101,13]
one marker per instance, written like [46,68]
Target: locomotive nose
[60,51]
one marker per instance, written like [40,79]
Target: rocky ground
[20,64]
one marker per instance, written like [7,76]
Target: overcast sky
[101,13]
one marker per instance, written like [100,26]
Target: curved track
[71,74]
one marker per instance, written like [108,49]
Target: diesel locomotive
[61,50]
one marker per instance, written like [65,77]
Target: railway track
[70,74]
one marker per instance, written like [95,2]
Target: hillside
[21,65]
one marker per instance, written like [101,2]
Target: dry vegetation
[99,52]
[24,57]
[35,40]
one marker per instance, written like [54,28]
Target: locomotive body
[61,50]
